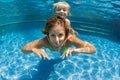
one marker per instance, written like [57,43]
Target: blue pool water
[15,65]
[96,21]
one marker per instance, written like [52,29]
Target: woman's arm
[34,47]
[89,48]
[27,48]
[81,46]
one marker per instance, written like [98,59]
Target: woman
[58,38]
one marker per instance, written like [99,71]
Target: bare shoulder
[75,41]
[72,40]
[42,42]
[37,43]
[67,21]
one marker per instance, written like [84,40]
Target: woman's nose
[57,40]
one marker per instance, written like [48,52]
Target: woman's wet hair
[51,22]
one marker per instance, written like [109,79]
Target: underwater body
[97,22]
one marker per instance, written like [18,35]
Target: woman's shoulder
[71,39]
[43,41]
[74,40]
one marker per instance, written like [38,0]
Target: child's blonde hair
[61,5]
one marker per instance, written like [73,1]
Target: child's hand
[41,53]
[68,52]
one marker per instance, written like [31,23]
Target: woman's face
[57,36]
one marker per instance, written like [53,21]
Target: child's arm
[68,22]
[72,31]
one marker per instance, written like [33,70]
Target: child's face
[62,12]
[57,36]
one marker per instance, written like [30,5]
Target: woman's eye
[53,35]
[60,35]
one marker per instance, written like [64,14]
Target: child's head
[61,9]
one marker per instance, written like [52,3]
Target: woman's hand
[41,53]
[67,53]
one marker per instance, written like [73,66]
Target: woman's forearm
[84,50]
[26,50]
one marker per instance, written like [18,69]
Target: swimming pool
[19,28]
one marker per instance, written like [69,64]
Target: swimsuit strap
[65,49]
[50,48]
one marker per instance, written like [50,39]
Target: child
[62,9]
[58,39]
